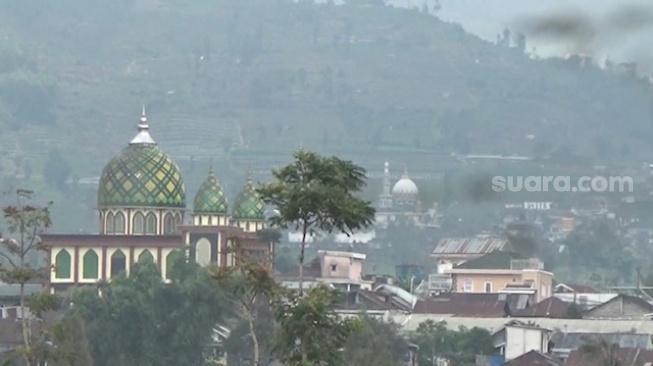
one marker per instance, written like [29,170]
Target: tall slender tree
[248,286]
[18,254]
[317,194]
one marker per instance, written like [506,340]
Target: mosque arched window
[119,223]
[145,257]
[62,264]
[169,224]
[138,224]
[118,263]
[110,224]
[150,223]
[90,265]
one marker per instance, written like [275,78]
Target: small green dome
[141,175]
[248,204]
[210,198]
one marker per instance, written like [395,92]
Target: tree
[140,320]
[317,193]
[374,343]
[458,347]
[25,222]
[309,331]
[248,286]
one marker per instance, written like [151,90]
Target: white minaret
[385,199]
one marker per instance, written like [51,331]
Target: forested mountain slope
[261,76]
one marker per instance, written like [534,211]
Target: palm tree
[601,352]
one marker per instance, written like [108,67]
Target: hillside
[257,78]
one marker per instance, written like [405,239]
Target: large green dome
[142,175]
[248,204]
[210,198]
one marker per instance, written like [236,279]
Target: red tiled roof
[547,308]
[626,356]
[468,305]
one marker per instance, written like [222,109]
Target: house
[621,306]
[503,272]
[547,308]
[535,358]
[569,288]
[342,270]
[625,356]
[563,343]
[585,300]
[454,251]
[471,305]
[516,338]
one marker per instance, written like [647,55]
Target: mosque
[402,203]
[142,204]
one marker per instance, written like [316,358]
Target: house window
[90,265]
[488,286]
[334,267]
[468,286]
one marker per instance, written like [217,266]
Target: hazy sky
[487,18]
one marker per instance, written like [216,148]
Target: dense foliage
[140,320]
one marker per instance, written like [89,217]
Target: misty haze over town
[326,183]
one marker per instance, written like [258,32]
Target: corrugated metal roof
[451,246]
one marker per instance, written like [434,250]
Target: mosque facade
[142,207]
[401,203]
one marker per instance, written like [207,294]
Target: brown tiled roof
[535,358]
[471,305]
[72,240]
[547,308]
[626,356]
